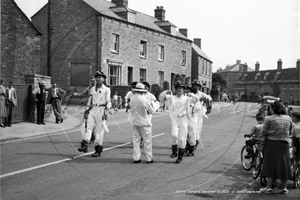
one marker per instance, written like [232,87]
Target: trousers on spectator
[56,105]
[40,107]
[179,130]
[140,132]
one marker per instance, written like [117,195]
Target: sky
[248,30]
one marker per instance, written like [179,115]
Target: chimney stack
[120,2]
[160,13]
[279,64]
[197,42]
[238,61]
[183,31]
[298,64]
[257,66]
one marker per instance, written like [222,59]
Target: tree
[217,79]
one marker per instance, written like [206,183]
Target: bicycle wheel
[257,165]
[246,162]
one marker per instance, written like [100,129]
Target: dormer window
[266,75]
[277,75]
[131,17]
[257,76]
[173,30]
[244,76]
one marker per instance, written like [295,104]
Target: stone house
[20,44]
[125,44]
[283,83]
[232,74]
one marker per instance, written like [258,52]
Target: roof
[267,76]
[235,68]
[31,24]
[200,52]
[103,7]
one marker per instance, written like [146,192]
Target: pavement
[72,120]
[73,117]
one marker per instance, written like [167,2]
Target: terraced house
[127,45]
[283,83]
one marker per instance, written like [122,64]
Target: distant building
[232,74]
[20,44]
[201,66]
[283,83]
[127,45]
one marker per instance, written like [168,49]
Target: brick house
[283,83]
[127,45]
[232,74]
[201,66]
[20,44]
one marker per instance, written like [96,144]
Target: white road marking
[65,160]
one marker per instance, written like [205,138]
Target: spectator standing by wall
[54,98]
[11,102]
[3,110]
[39,95]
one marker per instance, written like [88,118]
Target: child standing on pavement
[255,134]
[296,138]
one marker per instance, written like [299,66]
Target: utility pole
[49,56]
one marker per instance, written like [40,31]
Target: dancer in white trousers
[141,109]
[179,121]
[202,96]
[98,102]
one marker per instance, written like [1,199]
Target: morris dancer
[179,122]
[202,96]
[98,102]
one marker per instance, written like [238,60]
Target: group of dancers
[187,107]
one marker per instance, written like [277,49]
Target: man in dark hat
[141,123]
[98,102]
[178,115]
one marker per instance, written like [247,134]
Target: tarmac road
[50,167]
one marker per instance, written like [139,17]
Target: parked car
[266,103]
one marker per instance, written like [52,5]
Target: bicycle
[256,161]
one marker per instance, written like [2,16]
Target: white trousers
[199,129]
[94,122]
[140,132]
[192,129]
[179,131]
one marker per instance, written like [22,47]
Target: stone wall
[20,44]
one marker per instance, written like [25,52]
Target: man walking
[98,102]
[12,101]
[54,98]
[141,109]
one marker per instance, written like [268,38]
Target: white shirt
[178,106]
[150,97]
[99,97]
[141,109]
[54,92]
[128,96]
[9,93]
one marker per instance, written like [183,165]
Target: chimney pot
[160,13]
[238,61]
[298,64]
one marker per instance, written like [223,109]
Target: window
[142,75]
[143,48]
[183,58]
[206,68]
[291,87]
[202,66]
[130,75]
[266,75]
[115,42]
[80,74]
[257,76]
[161,52]
[161,79]
[114,72]
[209,69]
